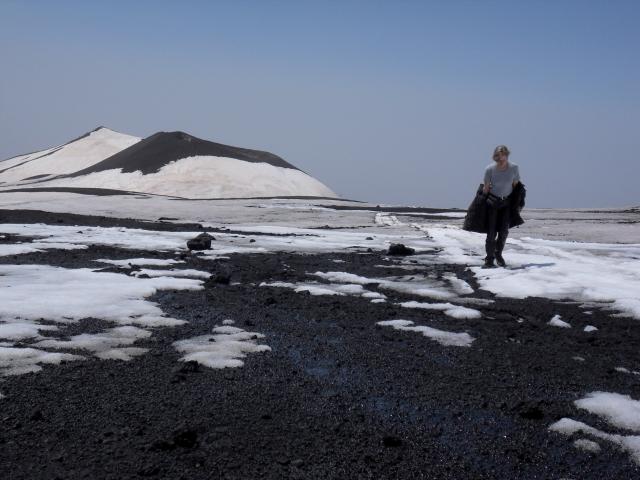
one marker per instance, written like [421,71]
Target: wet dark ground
[337,397]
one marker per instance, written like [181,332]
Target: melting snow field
[38,302]
[606,275]
[63,295]
[31,294]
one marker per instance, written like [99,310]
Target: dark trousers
[497,224]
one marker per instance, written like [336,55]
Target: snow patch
[104,345]
[460,286]
[20,330]
[587,445]
[449,309]
[628,443]
[155,262]
[618,410]
[18,361]
[185,272]
[386,219]
[326,289]
[557,321]
[441,336]
[415,284]
[63,295]
[224,349]
[73,237]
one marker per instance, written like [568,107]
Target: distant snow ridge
[83,152]
[166,163]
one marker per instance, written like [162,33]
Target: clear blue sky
[391,102]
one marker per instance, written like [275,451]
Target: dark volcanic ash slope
[338,397]
[156,151]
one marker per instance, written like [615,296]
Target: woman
[500,180]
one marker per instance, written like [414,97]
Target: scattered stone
[220,278]
[187,367]
[150,471]
[391,441]
[186,439]
[37,416]
[532,413]
[530,410]
[200,242]
[400,249]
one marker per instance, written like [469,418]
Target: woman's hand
[486,188]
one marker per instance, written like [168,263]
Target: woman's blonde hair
[500,149]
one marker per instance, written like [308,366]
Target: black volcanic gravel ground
[337,397]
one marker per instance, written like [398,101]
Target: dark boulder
[400,249]
[201,242]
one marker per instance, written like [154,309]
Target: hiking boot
[500,261]
[488,263]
